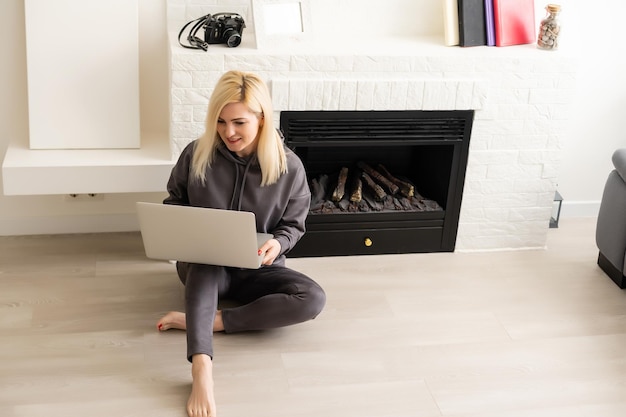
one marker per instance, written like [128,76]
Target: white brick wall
[520,96]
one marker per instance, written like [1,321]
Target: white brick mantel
[520,95]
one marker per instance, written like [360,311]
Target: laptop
[201,235]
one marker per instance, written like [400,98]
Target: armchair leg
[615,274]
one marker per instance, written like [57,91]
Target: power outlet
[84,197]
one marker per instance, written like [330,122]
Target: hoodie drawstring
[232,200]
[243,185]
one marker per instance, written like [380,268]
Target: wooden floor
[505,334]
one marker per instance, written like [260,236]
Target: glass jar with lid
[550,28]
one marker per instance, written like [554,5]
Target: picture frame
[281,22]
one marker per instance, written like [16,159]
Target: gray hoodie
[234,183]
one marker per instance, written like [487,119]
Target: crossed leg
[271,297]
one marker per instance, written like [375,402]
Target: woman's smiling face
[238,128]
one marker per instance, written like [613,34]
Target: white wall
[595,123]
[54,214]
[594,126]
[368,17]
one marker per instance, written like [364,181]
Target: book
[451,22]
[472,31]
[514,22]
[490,25]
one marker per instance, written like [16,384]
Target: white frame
[265,38]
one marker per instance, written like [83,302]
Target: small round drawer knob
[368,242]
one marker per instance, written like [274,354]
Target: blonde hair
[249,89]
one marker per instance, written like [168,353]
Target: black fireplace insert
[353,160]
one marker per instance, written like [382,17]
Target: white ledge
[354,46]
[28,171]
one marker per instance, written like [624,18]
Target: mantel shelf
[28,171]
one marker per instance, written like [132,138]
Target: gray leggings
[268,297]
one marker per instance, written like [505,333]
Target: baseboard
[580,208]
[97,223]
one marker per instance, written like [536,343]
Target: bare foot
[218,324]
[176,320]
[172,320]
[202,399]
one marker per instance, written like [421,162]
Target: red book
[514,22]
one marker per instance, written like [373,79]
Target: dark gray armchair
[611,227]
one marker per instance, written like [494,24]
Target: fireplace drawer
[370,242]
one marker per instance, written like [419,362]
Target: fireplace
[427,149]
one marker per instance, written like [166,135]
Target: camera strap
[194,42]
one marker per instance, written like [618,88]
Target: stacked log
[340,189]
[364,189]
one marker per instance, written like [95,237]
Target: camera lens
[233,39]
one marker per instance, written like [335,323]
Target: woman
[241,163]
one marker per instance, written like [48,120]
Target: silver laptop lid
[200,235]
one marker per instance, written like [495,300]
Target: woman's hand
[271,248]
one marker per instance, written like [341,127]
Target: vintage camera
[224,28]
